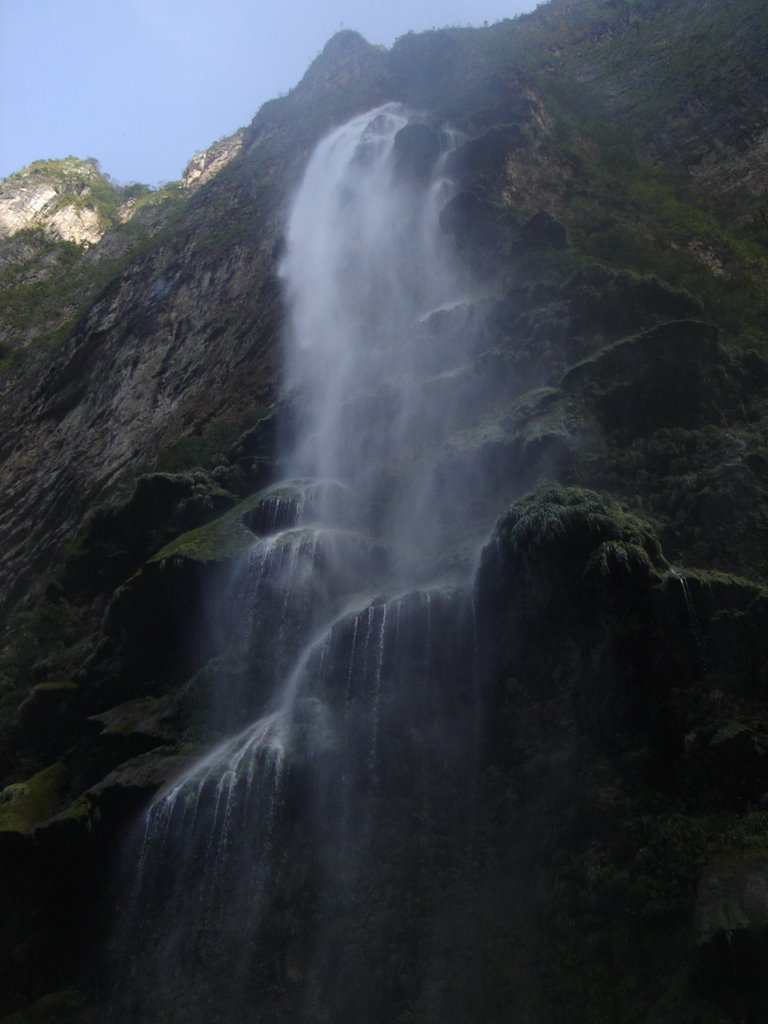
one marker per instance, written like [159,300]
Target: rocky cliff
[196,266]
[67,199]
[610,198]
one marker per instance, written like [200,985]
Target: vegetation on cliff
[611,199]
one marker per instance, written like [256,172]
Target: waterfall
[270,877]
[693,622]
[365,263]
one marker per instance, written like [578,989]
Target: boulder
[566,591]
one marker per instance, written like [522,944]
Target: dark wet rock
[481,162]
[50,716]
[151,638]
[49,919]
[603,299]
[294,502]
[143,775]
[726,763]
[530,442]
[571,589]
[416,148]
[731,934]
[118,538]
[446,338]
[537,331]
[556,544]
[483,232]
[80,832]
[250,461]
[726,619]
[468,217]
[19,899]
[672,375]
[543,230]
[153,720]
[151,630]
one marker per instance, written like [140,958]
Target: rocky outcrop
[347,62]
[41,206]
[203,166]
[618,713]
[57,196]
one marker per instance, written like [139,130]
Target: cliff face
[608,204]
[176,340]
[202,265]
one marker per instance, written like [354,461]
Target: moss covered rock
[23,805]
[672,375]
[118,538]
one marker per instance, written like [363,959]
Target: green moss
[489,431]
[126,718]
[539,415]
[580,519]
[78,812]
[617,555]
[741,837]
[204,449]
[45,640]
[66,687]
[25,804]
[533,417]
[224,538]
[726,579]
[689,339]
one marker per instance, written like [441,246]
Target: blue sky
[143,84]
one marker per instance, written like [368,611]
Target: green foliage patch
[583,519]
[206,449]
[24,804]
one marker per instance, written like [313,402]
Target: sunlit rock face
[203,166]
[54,198]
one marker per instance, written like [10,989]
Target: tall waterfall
[309,867]
[366,264]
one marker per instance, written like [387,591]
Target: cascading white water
[369,695]
[366,261]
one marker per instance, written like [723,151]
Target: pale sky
[143,84]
